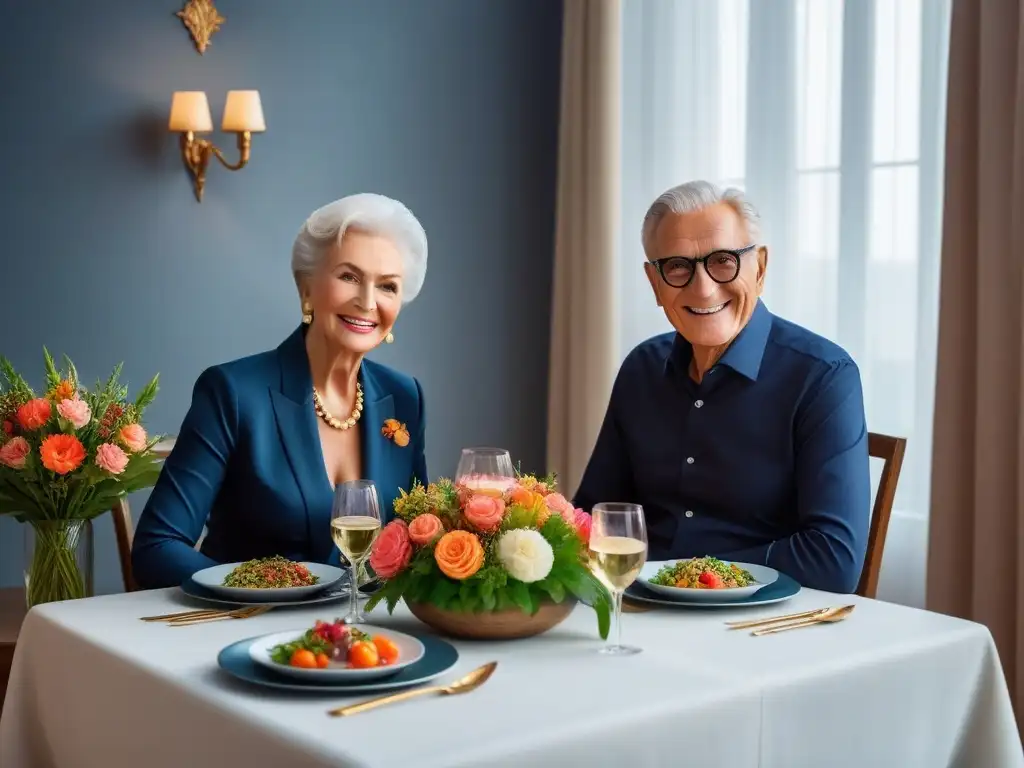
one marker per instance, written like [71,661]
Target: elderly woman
[268,437]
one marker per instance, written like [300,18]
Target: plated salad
[336,644]
[270,573]
[703,573]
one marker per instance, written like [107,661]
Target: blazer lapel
[297,428]
[378,406]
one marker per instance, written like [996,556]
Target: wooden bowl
[492,625]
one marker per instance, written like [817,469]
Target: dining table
[92,686]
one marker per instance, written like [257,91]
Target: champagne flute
[618,550]
[355,523]
[486,470]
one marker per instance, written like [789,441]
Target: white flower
[526,554]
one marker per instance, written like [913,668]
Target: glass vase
[58,561]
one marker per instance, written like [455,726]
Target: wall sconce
[190,114]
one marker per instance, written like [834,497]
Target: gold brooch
[393,430]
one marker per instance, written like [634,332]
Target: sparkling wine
[354,535]
[617,560]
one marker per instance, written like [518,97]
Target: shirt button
[689,459]
[699,403]
[689,513]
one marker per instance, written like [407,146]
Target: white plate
[410,650]
[762,574]
[213,579]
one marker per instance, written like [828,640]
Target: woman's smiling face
[356,293]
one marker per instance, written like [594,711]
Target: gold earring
[307,313]
[390,338]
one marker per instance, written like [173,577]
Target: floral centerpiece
[66,456]
[479,548]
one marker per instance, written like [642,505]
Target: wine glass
[618,550]
[355,523]
[485,469]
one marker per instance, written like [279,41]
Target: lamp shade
[190,111]
[243,112]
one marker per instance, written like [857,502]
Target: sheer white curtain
[830,115]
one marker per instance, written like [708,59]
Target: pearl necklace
[323,413]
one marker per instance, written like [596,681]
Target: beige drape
[584,313]
[976,548]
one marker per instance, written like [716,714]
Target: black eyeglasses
[722,266]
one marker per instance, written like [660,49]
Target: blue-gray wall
[448,105]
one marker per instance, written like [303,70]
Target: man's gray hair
[370,213]
[695,196]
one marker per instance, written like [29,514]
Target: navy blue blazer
[248,465]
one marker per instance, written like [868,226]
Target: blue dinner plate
[199,592]
[783,588]
[439,656]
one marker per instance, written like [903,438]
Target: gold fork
[240,613]
[831,616]
[465,684]
[746,624]
[185,614]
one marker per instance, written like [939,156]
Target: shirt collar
[745,353]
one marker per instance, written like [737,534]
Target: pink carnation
[111,459]
[133,436]
[425,528]
[582,522]
[14,451]
[76,411]
[484,512]
[392,550]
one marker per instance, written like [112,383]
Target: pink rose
[76,411]
[14,451]
[582,522]
[558,504]
[484,512]
[391,550]
[111,459]
[133,436]
[424,529]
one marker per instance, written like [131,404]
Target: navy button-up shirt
[765,461]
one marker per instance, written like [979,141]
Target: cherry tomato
[304,659]
[322,660]
[363,655]
[387,650]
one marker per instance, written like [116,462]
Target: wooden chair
[890,450]
[124,528]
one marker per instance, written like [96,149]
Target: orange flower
[63,391]
[459,554]
[62,453]
[395,430]
[34,413]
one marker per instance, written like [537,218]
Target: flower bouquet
[480,549]
[67,456]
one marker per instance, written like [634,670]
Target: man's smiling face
[706,313]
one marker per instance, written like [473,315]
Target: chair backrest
[890,450]
[124,528]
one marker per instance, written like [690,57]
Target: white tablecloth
[92,686]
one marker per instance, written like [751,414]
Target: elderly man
[741,434]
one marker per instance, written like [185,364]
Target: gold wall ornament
[202,19]
[190,114]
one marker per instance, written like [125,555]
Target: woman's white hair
[370,213]
[695,196]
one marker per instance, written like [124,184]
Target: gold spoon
[831,616]
[470,682]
